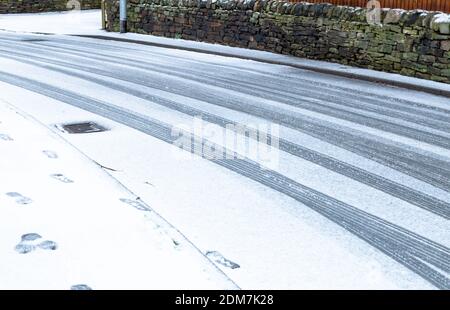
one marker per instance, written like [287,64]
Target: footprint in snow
[220,259]
[48,245]
[20,199]
[61,177]
[24,248]
[25,245]
[30,237]
[80,287]
[32,241]
[135,204]
[5,137]
[50,154]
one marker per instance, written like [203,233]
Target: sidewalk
[66,224]
[87,24]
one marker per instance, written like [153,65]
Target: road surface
[370,159]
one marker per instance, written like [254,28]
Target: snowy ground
[378,151]
[59,229]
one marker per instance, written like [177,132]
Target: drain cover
[86,127]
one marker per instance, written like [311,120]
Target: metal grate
[87,127]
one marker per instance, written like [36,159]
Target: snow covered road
[360,194]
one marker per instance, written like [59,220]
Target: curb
[374,79]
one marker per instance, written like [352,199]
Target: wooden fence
[431,5]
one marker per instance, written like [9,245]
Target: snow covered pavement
[66,224]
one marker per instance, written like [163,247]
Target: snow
[306,173]
[441,19]
[69,22]
[48,200]
[276,242]
[279,243]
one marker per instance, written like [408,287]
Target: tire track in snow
[322,87]
[275,89]
[431,170]
[316,87]
[392,188]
